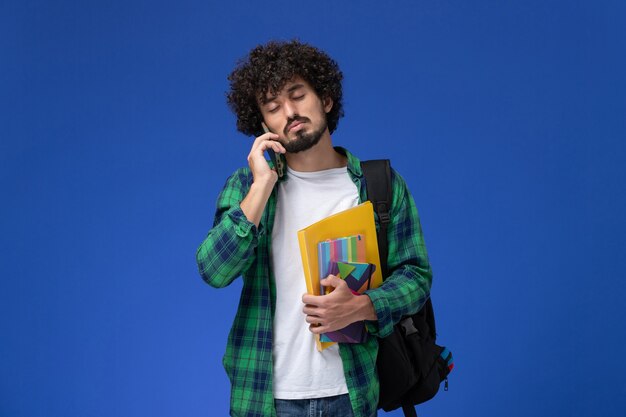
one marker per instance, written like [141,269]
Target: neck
[320,157]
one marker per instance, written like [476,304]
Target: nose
[289,109]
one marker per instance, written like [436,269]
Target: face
[297,115]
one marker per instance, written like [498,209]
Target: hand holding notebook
[355,230]
[357,277]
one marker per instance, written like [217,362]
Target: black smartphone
[277,160]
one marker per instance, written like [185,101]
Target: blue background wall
[506,119]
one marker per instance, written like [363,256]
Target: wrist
[254,202]
[264,184]
[365,308]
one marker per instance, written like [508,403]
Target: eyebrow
[291,89]
[294,87]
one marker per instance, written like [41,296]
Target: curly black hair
[267,68]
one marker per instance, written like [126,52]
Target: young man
[293,91]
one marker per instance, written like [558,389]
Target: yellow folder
[357,220]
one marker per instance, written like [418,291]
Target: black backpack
[410,365]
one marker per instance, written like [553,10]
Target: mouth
[295,126]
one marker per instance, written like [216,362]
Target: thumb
[331,281]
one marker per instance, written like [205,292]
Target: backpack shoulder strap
[377,174]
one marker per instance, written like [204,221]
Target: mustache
[293,119]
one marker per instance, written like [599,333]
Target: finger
[267,136]
[271,144]
[257,151]
[280,147]
[313,320]
[260,146]
[312,300]
[264,137]
[276,144]
[313,310]
[315,329]
[310,310]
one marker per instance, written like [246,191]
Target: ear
[328,104]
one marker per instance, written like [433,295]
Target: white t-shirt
[300,370]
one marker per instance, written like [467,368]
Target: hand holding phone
[264,177]
[277,161]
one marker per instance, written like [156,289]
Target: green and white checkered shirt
[236,247]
